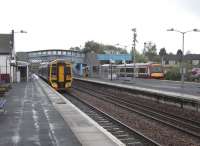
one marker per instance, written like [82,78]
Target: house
[192,59]
[7,56]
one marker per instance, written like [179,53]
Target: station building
[7,58]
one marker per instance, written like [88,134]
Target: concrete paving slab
[31,120]
[86,130]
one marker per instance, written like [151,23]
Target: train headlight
[67,85]
[55,85]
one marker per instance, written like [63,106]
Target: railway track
[127,135]
[182,124]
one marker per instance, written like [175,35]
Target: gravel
[159,132]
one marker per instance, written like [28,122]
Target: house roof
[5,43]
[171,57]
[186,57]
[192,57]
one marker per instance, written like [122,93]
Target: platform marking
[16,138]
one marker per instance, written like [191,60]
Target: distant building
[52,54]
[77,58]
[192,59]
[39,56]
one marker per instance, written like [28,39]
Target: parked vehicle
[195,74]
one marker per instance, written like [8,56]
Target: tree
[140,57]
[162,53]
[92,46]
[179,54]
[173,74]
[115,50]
[98,48]
[75,48]
[150,51]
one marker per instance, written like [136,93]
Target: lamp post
[123,59]
[12,48]
[13,40]
[183,41]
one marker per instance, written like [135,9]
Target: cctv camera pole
[182,62]
[134,51]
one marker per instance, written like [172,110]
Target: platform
[37,115]
[149,86]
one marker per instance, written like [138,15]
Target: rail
[127,135]
[179,99]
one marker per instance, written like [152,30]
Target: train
[139,70]
[57,73]
[142,70]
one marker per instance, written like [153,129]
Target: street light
[182,58]
[12,48]
[123,59]
[12,37]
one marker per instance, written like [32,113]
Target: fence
[108,72]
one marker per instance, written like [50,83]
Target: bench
[2,91]
[4,88]
[2,105]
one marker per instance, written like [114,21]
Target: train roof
[132,64]
[60,61]
[45,64]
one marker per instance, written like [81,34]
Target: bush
[173,74]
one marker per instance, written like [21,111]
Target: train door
[68,72]
[53,72]
[61,73]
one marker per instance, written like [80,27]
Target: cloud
[190,5]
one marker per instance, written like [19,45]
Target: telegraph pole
[133,50]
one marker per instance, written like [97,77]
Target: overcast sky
[61,24]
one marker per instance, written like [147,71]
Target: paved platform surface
[190,91]
[191,88]
[39,116]
[31,120]
[86,130]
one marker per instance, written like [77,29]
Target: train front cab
[156,71]
[60,75]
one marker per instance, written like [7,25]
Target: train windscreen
[68,70]
[54,70]
[156,69]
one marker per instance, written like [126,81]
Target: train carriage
[141,70]
[57,73]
